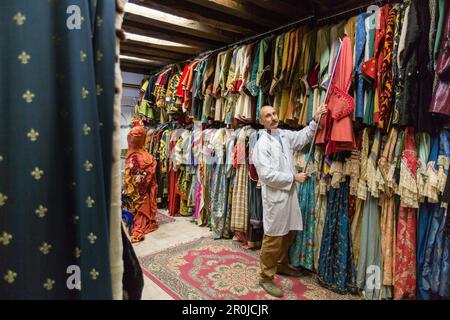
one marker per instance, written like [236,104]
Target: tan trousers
[274,254]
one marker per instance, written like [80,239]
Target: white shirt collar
[274,132]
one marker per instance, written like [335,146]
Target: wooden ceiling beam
[176,49]
[133,47]
[155,32]
[331,7]
[193,11]
[133,53]
[242,10]
[156,63]
[190,27]
[136,68]
[283,8]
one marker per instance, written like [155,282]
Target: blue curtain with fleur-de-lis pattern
[56,108]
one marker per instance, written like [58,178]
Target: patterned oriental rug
[162,218]
[207,269]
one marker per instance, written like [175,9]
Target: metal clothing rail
[355,9]
[240,42]
[263,35]
[311,17]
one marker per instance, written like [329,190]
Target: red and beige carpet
[163,219]
[221,269]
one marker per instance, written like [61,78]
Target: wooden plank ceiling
[160,32]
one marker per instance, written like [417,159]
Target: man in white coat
[274,162]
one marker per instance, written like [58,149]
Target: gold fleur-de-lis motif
[41,211]
[92,237]
[90,202]
[5,238]
[83,56]
[37,173]
[99,21]
[99,90]
[45,248]
[86,129]
[49,284]
[10,276]
[88,166]
[99,55]
[84,93]
[3,198]
[24,57]
[77,252]
[76,219]
[20,18]
[28,96]
[33,135]
[94,274]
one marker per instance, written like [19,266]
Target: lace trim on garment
[408,187]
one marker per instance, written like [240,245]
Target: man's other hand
[301,177]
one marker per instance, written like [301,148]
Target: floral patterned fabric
[336,268]
[405,268]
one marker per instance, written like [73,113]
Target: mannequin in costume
[140,185]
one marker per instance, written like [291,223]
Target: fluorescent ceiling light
[140,38]
[156,14]
[123,57]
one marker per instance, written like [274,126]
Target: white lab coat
[275,166]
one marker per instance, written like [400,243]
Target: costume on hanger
[219,185]
[370,254]
[239,213]
[337,133]
[440,102]
[301,252]
[255,230]
[405,269]
[435,272]
[386,166]
[336,269]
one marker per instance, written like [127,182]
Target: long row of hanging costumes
[376,211]
[382,216]
[206,174]
[398,73]
[377,215]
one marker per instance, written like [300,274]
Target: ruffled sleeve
[337,173]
